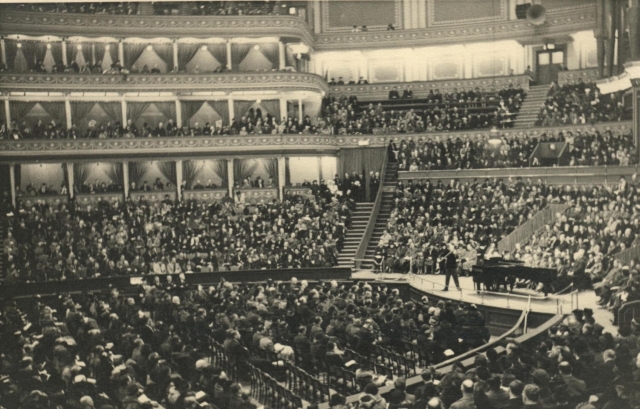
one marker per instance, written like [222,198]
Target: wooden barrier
[524,232]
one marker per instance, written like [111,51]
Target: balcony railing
[226,82]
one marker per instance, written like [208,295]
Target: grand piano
[497,272]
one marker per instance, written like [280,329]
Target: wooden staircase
[530,109]
[359,220]
[390,181]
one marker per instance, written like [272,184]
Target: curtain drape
[56,110]
[219,52]
[271,106]
[186,52]
[136,109]
[137,171]
[220,168]
[19,110]
[190,170]
[238,53]
[115,173]
[289,57]
[240,108]
[222,108]
[168,170]
[243,168]
[100,50]
[361,160]
[168,109]
[271,166]
[271,51]
[190,108]
[101,53]
[113,110]
[56,51]
[132,51]
[80,110]
[287,172]
[372,159]
[20,63]
[80,173]
[11,50]
[72,52]
[165,52]
[34,52]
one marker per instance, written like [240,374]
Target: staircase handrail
[362,248]
[531,226]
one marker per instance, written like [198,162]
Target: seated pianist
[393,94]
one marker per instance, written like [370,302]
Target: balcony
[31,23]
[225,82]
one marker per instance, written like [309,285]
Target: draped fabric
[243,168]
[136,109]
[100,50]
[56,110]
[132,51]
[20,62]
[271,166]
[115,173]
[361,160]
[168,109]
[113,110]
[106,57]
[289,57]
[80,173]
[34,52]
[372,158]
[56,51]
[222,108]
[220,169]
[72,53]
[137,171]
[271,51]
[190,108]
[11,50]
[165,52]
[240,108]
[219,52]
[19,110]
[168,170]
[190,170]
[238,53]
[271,106]
[287,172]
[80,110]
[186,52]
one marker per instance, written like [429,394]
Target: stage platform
[552,304]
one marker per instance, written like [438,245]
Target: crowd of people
[231,8]
[438,112]
[580,103]
[123,7]
[57,242]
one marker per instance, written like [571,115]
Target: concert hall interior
[320,204]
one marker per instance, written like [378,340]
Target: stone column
[121,52]
[70,180]
[300,111]
[282,61]
[175,54]
[283,108]
[12,180]
[93,54]
[67,111]
[125,179]
[3,52]
[7,112]
[230,177]
[124,112]
[64,52]
[178,114]
[231,110]
[281,177]
[229,63]
[179,180]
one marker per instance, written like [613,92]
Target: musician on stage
[451,268]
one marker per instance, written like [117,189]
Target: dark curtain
[136,109]
[113,110]
[115,173]
[56,51]
[165,52]
[34,52]
[289,57]
[242,169]
[11,50]
[238,53]
[240,108]
[137,171]
[271,106]
[101,49]
[190,108]
[222,108]
[168,170]
[190,170]
[271,51]
[372,159]
[219,52]
[19,110]
[80,173]
[168,109]
[271,165]
[287,172]
[132,51]
[56,110]
[20,63]
[220,169]
[72,52]
[80,110]
[186,52]
[3,114]
[350,160]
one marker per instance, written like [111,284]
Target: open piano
[497,272]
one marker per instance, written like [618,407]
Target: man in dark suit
[515,396]
[374,185]
[451,268]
